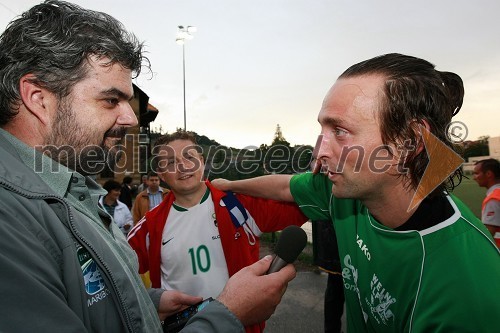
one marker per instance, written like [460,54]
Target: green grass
[268,237]
[471,194]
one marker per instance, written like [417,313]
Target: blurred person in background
[487,174]
[149,198]
[144,184]
[326,257]
[127,191]
[118,210]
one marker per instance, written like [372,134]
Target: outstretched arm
[276,187]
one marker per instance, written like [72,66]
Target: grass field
[471,194]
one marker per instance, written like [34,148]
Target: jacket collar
[23,167]
[15,174]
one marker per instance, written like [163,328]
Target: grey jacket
[61,274]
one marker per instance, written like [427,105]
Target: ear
[413,149]
[38,101]
[423,125]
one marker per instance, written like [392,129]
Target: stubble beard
[77,147]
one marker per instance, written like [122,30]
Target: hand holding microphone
[252,294]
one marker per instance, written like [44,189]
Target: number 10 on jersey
[200,260]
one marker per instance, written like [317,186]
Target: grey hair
[53,41]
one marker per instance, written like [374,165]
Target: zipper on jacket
[105,267]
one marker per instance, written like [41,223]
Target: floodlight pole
[184,81]
[184,33]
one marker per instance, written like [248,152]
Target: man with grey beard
[65,83]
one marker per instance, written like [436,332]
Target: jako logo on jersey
[363,247]
[93,280]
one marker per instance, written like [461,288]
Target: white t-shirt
[192,259]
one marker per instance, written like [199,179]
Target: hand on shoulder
[221,183]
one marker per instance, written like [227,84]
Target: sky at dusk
[254,64]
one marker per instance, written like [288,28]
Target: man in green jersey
[432,267]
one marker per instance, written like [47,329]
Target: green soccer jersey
[445,278]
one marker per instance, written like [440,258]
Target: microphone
[292,241]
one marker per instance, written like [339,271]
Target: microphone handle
[276,265]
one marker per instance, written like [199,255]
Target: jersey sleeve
[272,215]
[138,238]
[312,193]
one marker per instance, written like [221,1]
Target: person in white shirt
[117,209]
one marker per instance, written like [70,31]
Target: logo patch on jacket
[94,282]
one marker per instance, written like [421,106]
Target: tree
[478,148]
